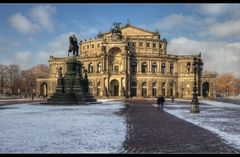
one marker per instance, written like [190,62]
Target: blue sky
[30,33]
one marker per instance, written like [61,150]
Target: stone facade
[133,65]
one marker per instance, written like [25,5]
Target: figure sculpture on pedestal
[73,45]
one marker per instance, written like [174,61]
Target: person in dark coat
[162,101]
[158,102]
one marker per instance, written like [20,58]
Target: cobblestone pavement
[19,101]
[153,131]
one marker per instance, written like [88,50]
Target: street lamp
[199,70]
[195,103]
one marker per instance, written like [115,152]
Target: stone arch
[99,67]
[90,68]
[154,89]
[154,67]
[98,88]
[205,89]
[114,87]
[144,89]
[44,89]
[144,67]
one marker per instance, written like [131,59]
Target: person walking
[158,102]
[162,102]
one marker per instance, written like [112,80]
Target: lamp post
[199,70]
[1,84]
[195,103]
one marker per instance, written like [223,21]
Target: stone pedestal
[72,88]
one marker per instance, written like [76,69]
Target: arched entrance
[205,89]
[114,88]
[43,90]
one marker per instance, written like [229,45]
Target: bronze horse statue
[73,45]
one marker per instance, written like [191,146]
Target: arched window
[163,88]
[154,89]
[144,67]
[99,67]
[90,86]
[98,88]
[188,67]
[171,87]
[171,69]
[133,67]
[144,89]
[154,68]
[90,68]
[163,68]
[83,69]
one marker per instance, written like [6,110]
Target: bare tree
[3,70]
[228,84]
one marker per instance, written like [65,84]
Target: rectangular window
[83,47]
[148,44]
[134,44]
[141,44]
[154,45]
[87,46]
[116,69]
[160,45]
[98,45]
[92,45]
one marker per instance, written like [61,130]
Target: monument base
[72,89]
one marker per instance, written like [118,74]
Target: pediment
[132,31]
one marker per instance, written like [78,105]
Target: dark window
[144,89]
[87,46]
[163,88]
[154,89]
[171,69]
[83,47]
[98,67]
[133,67]
[90,68]
[144,67]
[148,44]
[98,45]
[92,45]
[154,68]
[154,45]
[116,68]
[141,44]
[163,68]
[160,45]
[171,88]
[134,44]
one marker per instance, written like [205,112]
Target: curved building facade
[134,63]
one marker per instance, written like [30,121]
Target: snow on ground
[62,129]
[220,118]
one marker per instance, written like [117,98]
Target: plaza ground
[117,126]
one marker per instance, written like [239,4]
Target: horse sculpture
[73,45]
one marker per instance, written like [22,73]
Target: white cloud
[58,47]
[225,29]
[213,9]
[22,58]
[218,56]
[22,24]
[175,20]
[43,16]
